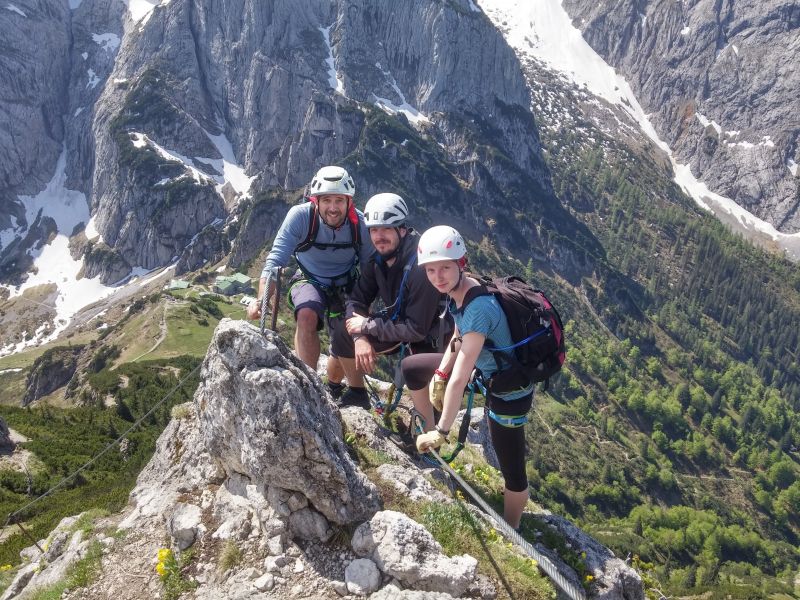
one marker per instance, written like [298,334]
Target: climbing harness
[397,305]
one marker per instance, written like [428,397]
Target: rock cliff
[719,82]
[171,117]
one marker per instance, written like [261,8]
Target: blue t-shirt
[485,316]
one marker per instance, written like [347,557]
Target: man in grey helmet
[412,304]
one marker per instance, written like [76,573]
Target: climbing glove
[438,386]
[431,440]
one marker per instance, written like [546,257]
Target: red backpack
[536,329]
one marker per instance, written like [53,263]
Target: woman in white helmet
[479,319]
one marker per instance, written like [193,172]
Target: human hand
[254,310]
[365,355]
[436,391]
[355,324]
[429,441]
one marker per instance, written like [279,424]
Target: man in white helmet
[411,304]
[329,240]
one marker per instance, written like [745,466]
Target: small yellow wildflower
[6,568]
[161,569]
[589,578]
[533,563]
[460,495]
[164,554]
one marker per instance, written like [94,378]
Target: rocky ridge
[257,462]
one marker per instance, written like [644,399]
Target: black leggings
[418,369]
[508,442]
[509,445]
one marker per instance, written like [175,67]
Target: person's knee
[516,483]
[307,320]
[342,344]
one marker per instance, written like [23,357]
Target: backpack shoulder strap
[472,293]
[355,229]
[403,285]
[313,229]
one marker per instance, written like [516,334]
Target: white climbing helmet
[332,180]
[385,210]
[440,243]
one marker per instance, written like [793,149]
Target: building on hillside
[233,284]
[178,284]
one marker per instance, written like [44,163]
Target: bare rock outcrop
[50,371]
[265,415]
[406,550]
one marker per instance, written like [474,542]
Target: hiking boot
[335,389]
[355,396]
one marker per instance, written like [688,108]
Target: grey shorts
[327,306]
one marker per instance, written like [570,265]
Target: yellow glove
[436,392]
[427,441]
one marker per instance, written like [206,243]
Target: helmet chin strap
[458,283]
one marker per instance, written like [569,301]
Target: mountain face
[719,82]
[169,117]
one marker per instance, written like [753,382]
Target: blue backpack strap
[399,301]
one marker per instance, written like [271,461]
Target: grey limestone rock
[405,550]
[265,415]
[179,465]
[362,577]
[410,483]
[185,525]
[614,578]
[392,592]
[34,80]
[6,443]
[101,260]
[50,371]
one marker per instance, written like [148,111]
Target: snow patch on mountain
[227,170]
[91,231]
[107,41]
[93,79]
[717,203]
[16,9]
[336,82]
[140,140]
[231,171]
[543,31]
[141,10]
[9,235]
[705,122]
[412,114]
[53,263]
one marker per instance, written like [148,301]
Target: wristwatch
[442,431]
